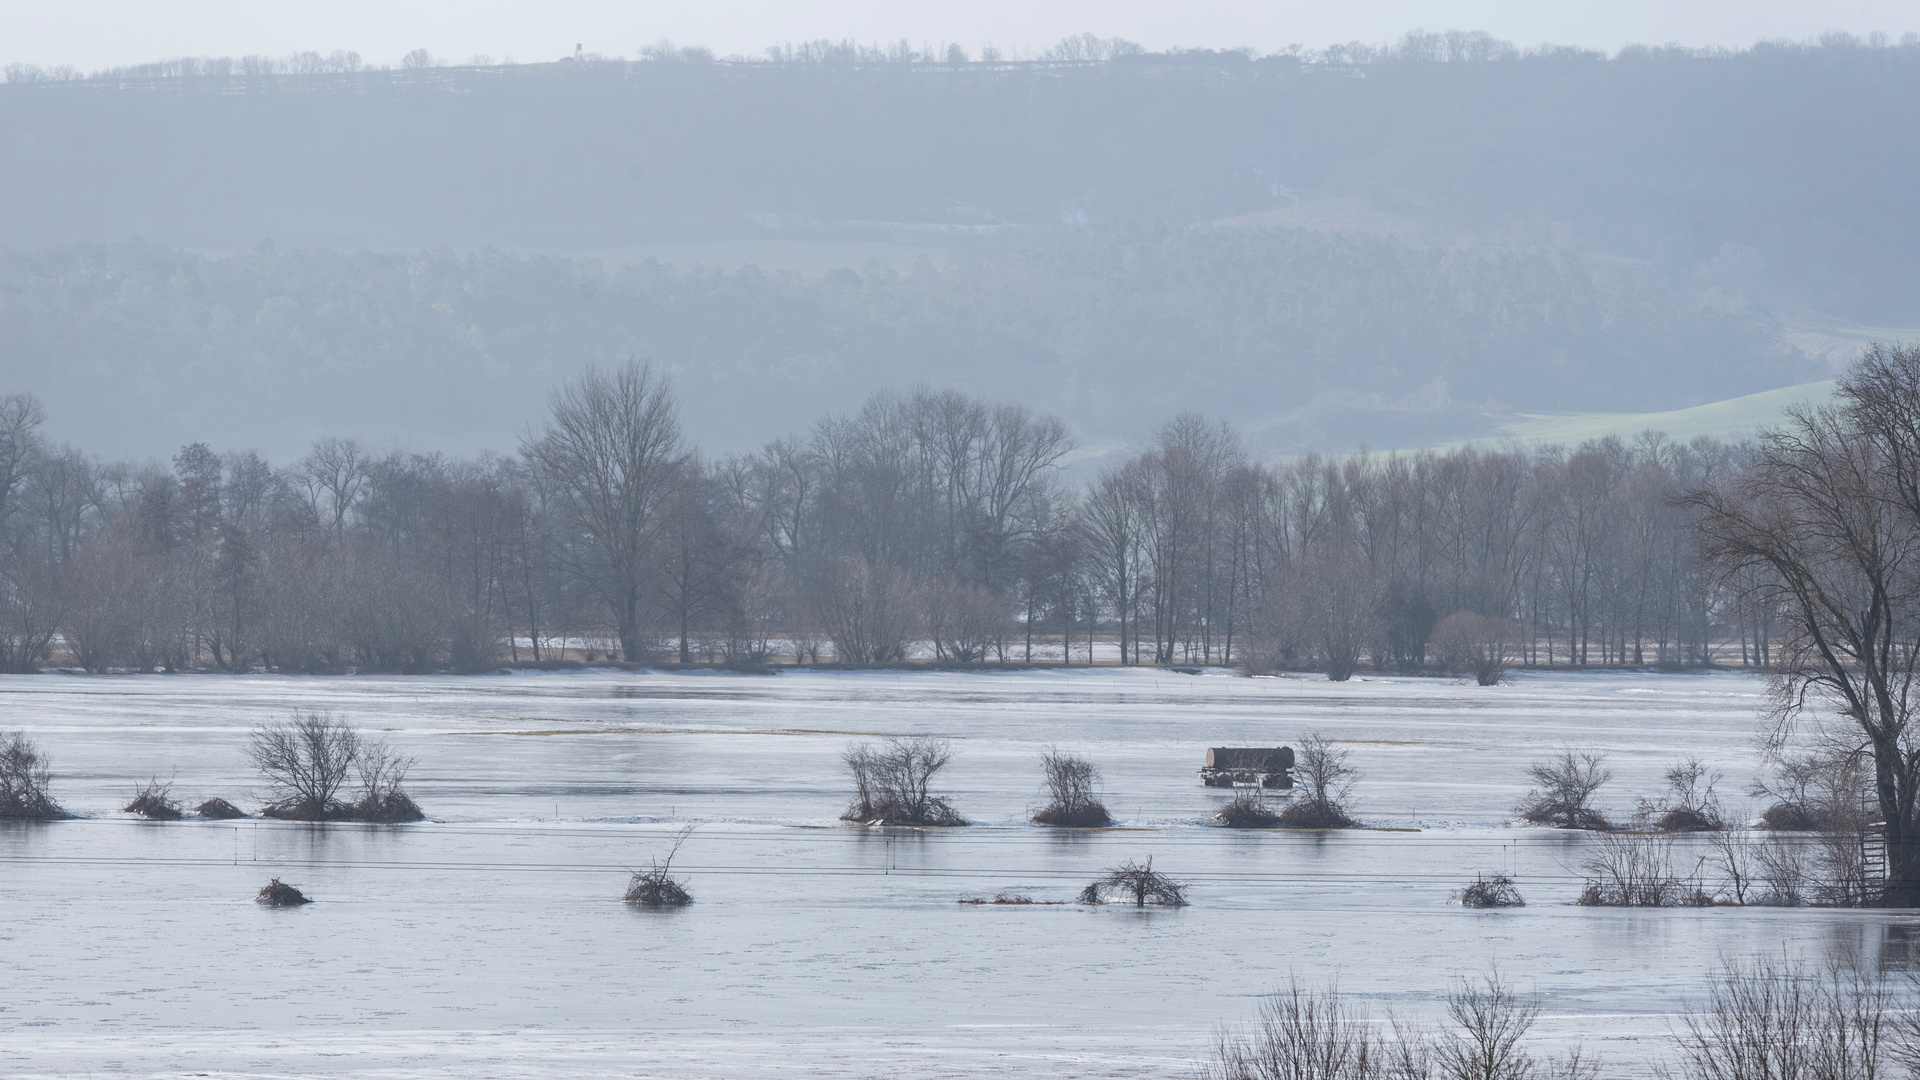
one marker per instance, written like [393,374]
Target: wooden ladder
[1873,845]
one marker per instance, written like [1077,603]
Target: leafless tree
[656,887]
[306,761]
[1073,791]
[383,776]
[25,779]
[1138,884]
[612,445]
[893,782]
[965,621]
[1690,803]
[867,610]
[1829,517]
[1302,1032]
[1325,779]
[1564,787]
[1476,645]
[1771,1018]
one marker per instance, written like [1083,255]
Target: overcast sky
[100,33]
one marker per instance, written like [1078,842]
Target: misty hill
[1395,245]
[1304,339]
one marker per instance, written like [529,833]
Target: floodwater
[490,941]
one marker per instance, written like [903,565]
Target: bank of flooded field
[491,940]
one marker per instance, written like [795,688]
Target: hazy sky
[99,33]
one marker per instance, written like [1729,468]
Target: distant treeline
[1306,338]
[931,517]
[1793,154]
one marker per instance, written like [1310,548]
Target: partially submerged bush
[307,760]
[1308,814]
[1684,819]
[1011,899]
[1816,792]
[1072,787]
[1497,891]
[154,802]
[279,894]
[1325,778]
[25,777]
[1564,787]
[655,887]
[1690,803]
[219,810]
[893,782]
[1636,870]
[1248,810]
[382,774]
[1132,883]
[1789,817]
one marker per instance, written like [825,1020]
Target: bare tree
[1325,779]
[1690,803]
[1301,1032]
[1072,789]
[1564,787]
[1138,884]
[1477,645]
[893,783]
[25,779]
[612,445]
[867,610]
[306,761]
[1829,518]
[383,776]
[1490,1020]
[1775,1019]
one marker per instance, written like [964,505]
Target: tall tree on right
[1827,521]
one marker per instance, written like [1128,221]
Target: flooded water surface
[491,940]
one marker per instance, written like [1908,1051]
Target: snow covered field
[490,941]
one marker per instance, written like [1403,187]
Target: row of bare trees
[926,525]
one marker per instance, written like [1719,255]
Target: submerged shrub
[1690,804]
[1636,870]
[382,797]
[1789,817]
[25,779]
[1310,814]
[655,886]
[1132,883]
[1072,784]
[279,894]
[1325,778]
[307,760]
[1248,810]
[154,802]
[1497,891]
[893,782]
[219,810]
[1563,791]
